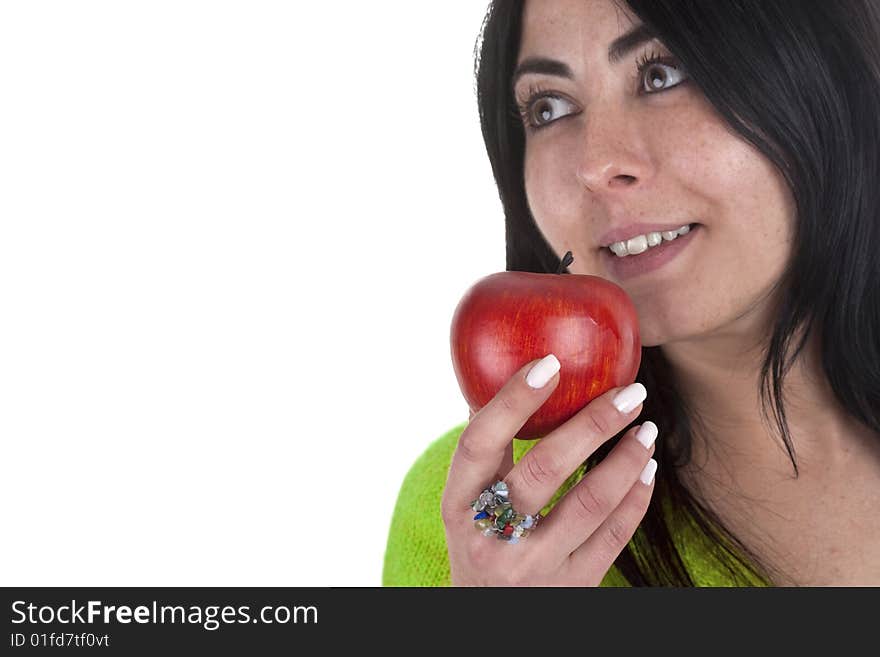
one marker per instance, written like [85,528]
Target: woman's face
[609,154]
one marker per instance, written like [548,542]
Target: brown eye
[545,109]
[657,76]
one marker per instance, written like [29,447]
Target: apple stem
[567,259]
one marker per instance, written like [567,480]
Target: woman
[750,131]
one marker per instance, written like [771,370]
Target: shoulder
[415,554]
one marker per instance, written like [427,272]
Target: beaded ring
[495,515]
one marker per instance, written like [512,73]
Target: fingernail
[647,475]
[542,371]
[647,434]
[630,397]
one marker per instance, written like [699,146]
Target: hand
[577,543]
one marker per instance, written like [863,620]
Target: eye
[658,73]
[542,108]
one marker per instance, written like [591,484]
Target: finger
[586,506]
[542,470]
[596,555]
[506,460]
[485,447]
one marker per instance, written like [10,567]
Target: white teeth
[619,249]
[637,244]
[641,243]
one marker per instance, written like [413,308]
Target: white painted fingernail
[647,434]
[543,371]
[630,397]
[648,473]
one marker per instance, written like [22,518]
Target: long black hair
[800,81]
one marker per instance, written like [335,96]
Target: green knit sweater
[416,554]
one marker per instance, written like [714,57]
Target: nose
[614,157]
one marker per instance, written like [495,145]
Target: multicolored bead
[496,515]
[483,523]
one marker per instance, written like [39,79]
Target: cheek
[749,207]
[729,186]
[559,204]
[699,153]
[552,205]
[749,214]
[739,187]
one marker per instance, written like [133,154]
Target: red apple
[510,318]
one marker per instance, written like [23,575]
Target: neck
[815,526]
[719,378]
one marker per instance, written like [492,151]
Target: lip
[654,258]
[631,230]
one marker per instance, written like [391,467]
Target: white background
[232,237]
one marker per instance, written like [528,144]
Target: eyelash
[535,91]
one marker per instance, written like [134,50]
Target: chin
[654,341]
[653,336]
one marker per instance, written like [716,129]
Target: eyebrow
[618,48]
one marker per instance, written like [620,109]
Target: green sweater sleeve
[416,554]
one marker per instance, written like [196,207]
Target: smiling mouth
[647,242]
